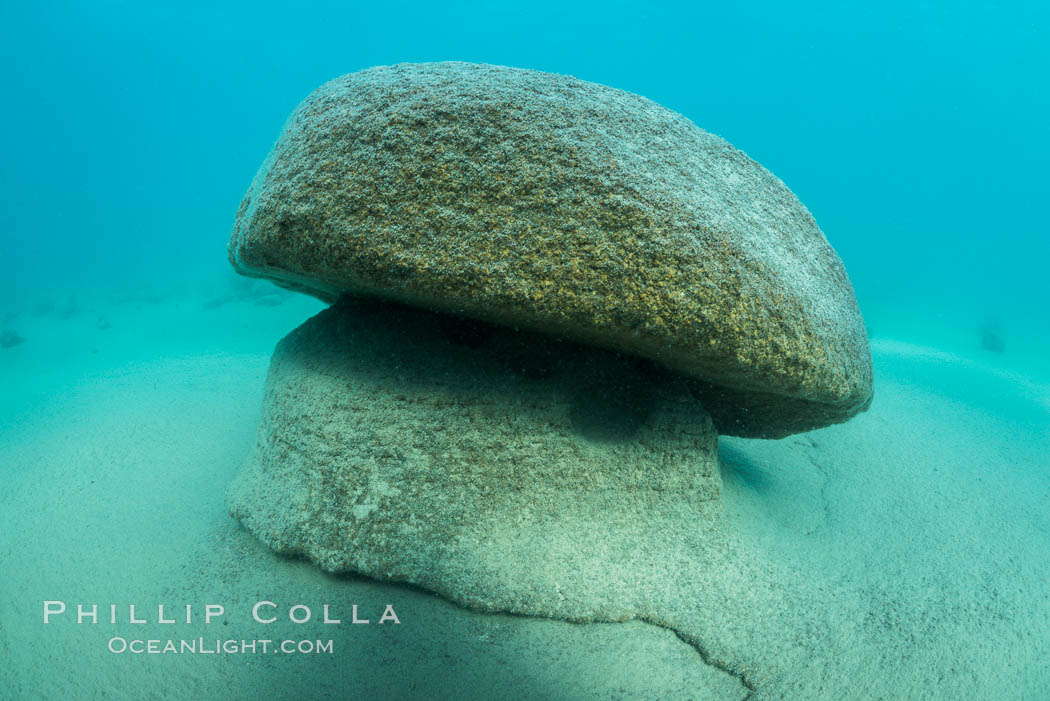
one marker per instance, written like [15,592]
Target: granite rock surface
[545,202]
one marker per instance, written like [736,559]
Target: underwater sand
[918,533]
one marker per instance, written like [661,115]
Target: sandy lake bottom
[920,531]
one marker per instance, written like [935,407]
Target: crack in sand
[706,657]
[823,491]
[710,661]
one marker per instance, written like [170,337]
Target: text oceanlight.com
[200,646]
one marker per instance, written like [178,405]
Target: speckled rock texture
[542,201]
[506,470]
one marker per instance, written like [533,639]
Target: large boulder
[545,202]
[506,470]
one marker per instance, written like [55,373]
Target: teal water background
[916,132]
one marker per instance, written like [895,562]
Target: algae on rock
[546,202]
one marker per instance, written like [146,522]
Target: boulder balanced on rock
[551,297]
[545,202]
